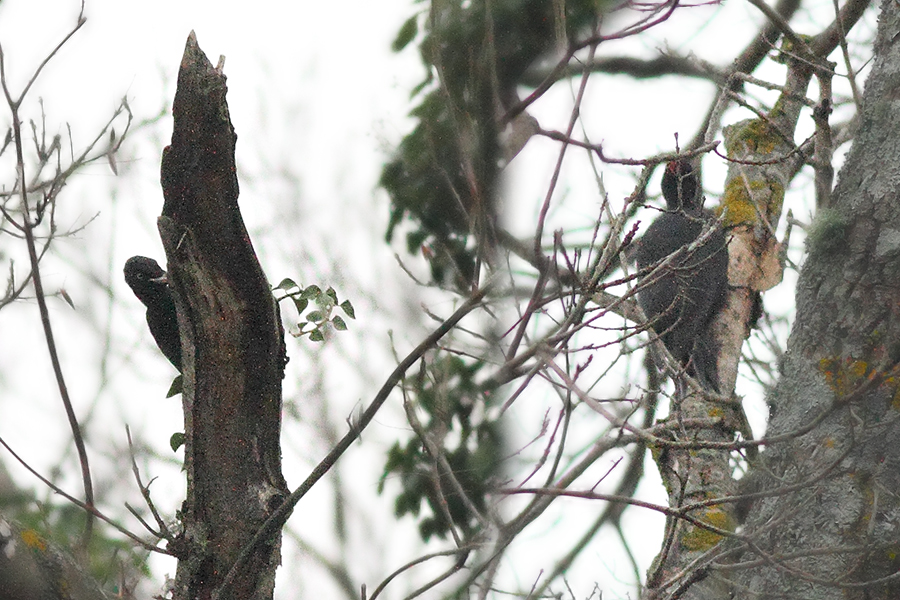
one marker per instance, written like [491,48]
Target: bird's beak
[163,279]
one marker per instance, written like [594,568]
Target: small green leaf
[316,336]
[301,304]
[311,292]
[315,316]
[332,294]
[406,34]
[176,441]
[286,284]
[339,323]
[348,309]
[175,388]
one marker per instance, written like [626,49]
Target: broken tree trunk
[232,349]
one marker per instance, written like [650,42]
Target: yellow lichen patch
[858,368]
[776,201]
[737,204]
[843,375]
[790,51]
[744,201]
[698,539]
[753,136]
[846,375]
[33,540]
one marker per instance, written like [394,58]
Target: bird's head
[680,187]
[145,278]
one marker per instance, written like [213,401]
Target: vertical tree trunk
[826,522]
[233,348]
[698,475]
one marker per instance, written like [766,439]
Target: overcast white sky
[316,97]
[317,100]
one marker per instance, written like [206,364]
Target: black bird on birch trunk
[682,299]
[148,282]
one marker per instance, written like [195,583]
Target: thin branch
[782,24]
[845,52]
[28,229]
[637,68]
[280,516]
[145,492]
[87,508]
[16,103]
[573,119]
[418,561]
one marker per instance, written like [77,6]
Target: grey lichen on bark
[830,484]
[764,159]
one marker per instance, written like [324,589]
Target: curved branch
[280,516]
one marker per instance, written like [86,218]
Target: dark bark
[232,348]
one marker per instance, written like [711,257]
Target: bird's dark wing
[146,279]
[682,300]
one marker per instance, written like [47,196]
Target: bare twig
[86,507]
[280,516]
[27,227]
[145,492]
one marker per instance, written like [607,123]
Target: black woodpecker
[148,282]
[682,300]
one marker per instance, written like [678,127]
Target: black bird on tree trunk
[148,282]
[683,298]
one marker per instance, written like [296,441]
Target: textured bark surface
[828,527]
[696,560]
[232,346]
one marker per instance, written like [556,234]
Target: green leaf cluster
[322,306]
[443,177]
[457,411]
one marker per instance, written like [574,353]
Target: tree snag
[232,347]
